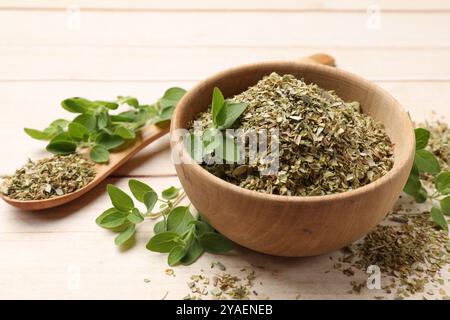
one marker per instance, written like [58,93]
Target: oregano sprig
[182,235]
[97,128]
[426,162]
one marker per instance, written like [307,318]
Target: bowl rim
[385,179]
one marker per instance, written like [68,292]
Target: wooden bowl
[291,225]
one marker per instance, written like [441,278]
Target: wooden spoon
[145,136]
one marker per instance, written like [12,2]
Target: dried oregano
[49,177]
[326,145]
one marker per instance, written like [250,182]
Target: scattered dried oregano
[49,177]
[326,145]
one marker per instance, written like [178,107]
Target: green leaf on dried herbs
[228,114]
[120,199]
[179,219]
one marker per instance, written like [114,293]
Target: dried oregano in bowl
[326,145]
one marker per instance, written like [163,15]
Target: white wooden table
[52,50]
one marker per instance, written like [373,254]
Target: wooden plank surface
[143,47]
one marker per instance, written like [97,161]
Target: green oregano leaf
[125,133]
[120,200]
[38,134]
[107,104]
[163,242]
[170,193]
[61,147]
[131,101]
[59,123]
[426,162]
[102,120]
[171,97]
[412,186]
[217,104]
[443,182]
[194,251]
[439,218]
[135,216]
[422,137]
[109,141]
[111,219]
[77,131]
[229,113]
[445,205]
[160,227]
[78,105]
[176,254]
[150,199]
[99,154]
[215,243]
[179,219]
[87,120]
[139,189]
